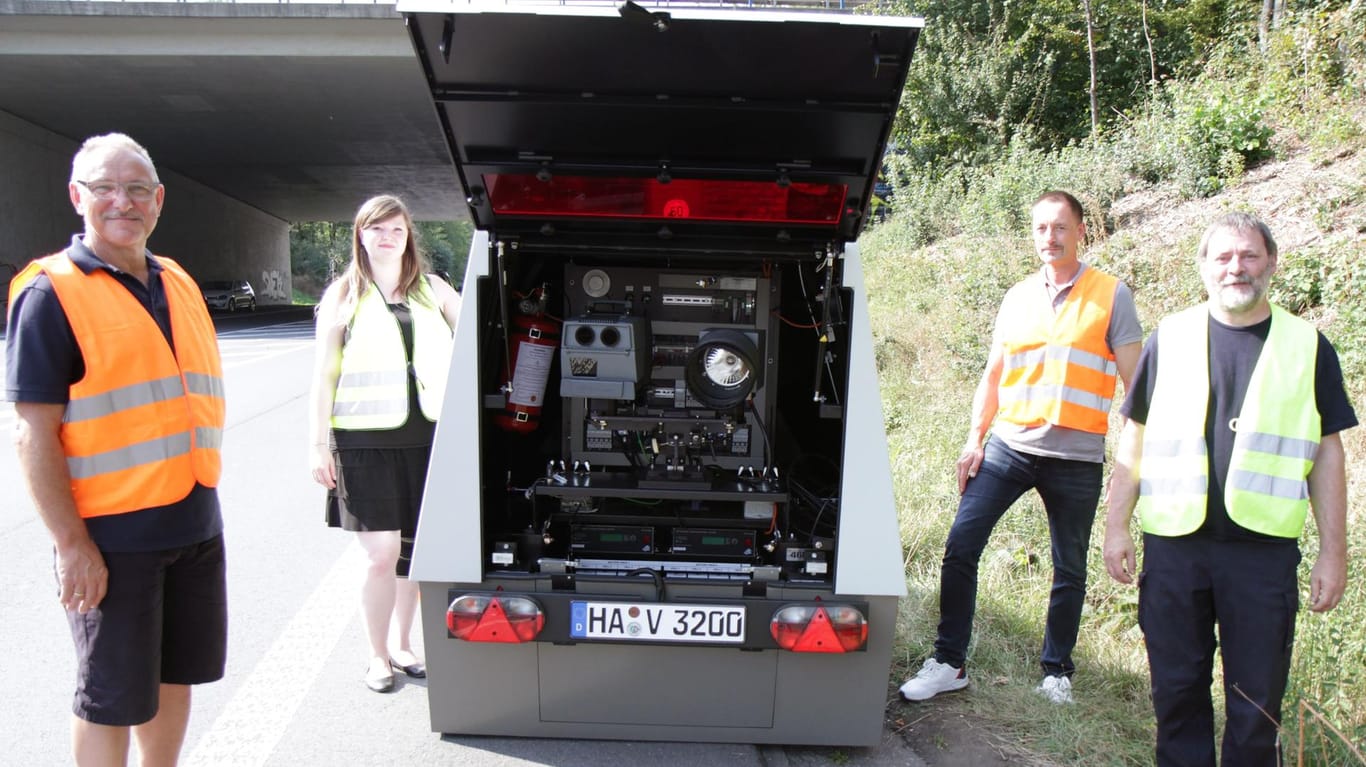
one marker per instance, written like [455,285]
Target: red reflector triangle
[493,625]
[819,635]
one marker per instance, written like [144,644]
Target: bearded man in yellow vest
[1062,338]
[1232,435]
[117,386]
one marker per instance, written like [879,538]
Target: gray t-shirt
[1060,441]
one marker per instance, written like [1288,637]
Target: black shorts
[164,621]
[380,489]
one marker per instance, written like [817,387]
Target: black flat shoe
[415,670]
[379,682]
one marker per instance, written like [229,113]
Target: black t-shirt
[417,431]
[43,360]
[1233,353]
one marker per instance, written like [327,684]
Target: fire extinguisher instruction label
[533,369]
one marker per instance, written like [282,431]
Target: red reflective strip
[691,199]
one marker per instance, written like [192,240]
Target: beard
[1242,295]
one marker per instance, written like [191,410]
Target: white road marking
[237,357]
[257,715]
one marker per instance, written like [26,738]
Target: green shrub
[1220,130]
[1298,285]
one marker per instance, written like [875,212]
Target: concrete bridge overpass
[257,115]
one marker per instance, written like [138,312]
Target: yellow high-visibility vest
[1277,432]
[372,391]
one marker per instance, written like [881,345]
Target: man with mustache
[114,370]
[1232,435]
[1063,337]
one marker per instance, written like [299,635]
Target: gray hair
[105,143]
[1238,222]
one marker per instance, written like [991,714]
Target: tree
[1091,60]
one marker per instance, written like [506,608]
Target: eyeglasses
[137,191]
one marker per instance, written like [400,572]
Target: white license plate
[654,622]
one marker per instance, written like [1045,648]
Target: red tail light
[485,618]
[819,628]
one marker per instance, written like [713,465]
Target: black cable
[758,421]
[654,574]
[819,513]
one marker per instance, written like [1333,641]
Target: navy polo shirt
[43,360]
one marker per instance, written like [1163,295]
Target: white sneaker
[1058,689]
[933,678]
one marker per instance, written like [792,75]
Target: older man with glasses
[114,370]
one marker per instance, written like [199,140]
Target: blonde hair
[359,276]
[108,142]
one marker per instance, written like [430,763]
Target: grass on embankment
[932,310]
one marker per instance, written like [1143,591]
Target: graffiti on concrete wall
[273,285]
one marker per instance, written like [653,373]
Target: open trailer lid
[570,120]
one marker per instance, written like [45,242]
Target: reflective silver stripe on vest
[151,451]
[1065,393]
[1170,486]
[1285,447]
[123,398]
[373,378]
[201,383]
[1265,484]
[369,407]
[1066,354]
[1174,448]
[208,437]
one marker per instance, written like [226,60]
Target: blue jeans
[1070,491]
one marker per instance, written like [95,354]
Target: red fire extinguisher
[532,342]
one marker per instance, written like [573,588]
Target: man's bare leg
[98,745]
[160,739]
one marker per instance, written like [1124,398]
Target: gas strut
[827,328]
[503,317]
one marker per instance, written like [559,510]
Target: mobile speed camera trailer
[660,504]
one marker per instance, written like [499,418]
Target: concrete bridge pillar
[212,235]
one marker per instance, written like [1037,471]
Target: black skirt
[380,489]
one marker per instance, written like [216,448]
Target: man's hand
[1327,583]
[968,464]
[82,575]
[1328,499]
[1121,559]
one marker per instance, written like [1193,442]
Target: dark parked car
[229,294]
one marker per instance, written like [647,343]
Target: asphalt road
[293,693]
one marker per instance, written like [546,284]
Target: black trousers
[1249,591]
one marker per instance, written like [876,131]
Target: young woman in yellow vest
[383,347]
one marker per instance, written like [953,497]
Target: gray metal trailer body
[660,503]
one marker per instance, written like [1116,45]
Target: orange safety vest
[145,423]
[1057,367]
